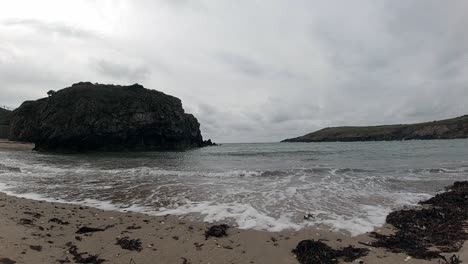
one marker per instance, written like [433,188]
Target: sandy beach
[6,145]
[34,231]
[29,234]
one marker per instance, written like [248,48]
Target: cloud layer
[250,70]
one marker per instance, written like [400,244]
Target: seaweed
[36,248]
[454,260]
[87,229]
[58,221]
[217,231]
[439,224]
[26,222]
[83,257]
[7,261]
[317,252]
[129,244]
[33,214]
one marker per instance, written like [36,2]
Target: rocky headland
[101,117]
[445,129]
[5,115]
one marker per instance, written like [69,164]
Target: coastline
[34,231]
[7,145]
[37,232]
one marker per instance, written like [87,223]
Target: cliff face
[97,117]
[5,116]
[444,129]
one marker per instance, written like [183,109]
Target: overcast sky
[250,70]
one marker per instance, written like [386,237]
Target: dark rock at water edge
[445,129]
[208,142]
[99,117]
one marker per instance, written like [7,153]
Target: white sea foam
[244,215]
[271,192]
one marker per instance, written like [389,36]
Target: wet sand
[28,236]
[6,145]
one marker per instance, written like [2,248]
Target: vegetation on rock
[444,129]
[99,117]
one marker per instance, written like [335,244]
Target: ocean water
[349,187]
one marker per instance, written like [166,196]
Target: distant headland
[444,129]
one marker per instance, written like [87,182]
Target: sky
[249,70]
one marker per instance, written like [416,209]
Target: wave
[343,196]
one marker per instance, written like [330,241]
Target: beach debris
[454,260]
[83,257]
[25,221]
[133,227]
[7,261]
[129,244]
[58,221]
[317,252]
[439,224]
[87,229]
[36,248]
[309,216]
[217,231]
[185,261]
[66,260]
[33,214]
[198,246]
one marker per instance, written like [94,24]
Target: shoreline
[7,145]
[38,231]
[43,232]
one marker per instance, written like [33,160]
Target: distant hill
[5,116]
[444,129]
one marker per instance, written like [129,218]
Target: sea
[345,187]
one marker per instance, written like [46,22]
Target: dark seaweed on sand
[217,231]
[439,224]
[7,261]
[83,257]
[87,229]
[317,252]
[129,244]
[58,221]
[26,222]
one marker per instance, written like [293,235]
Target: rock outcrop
[444,129]
[5,116]
[98,117]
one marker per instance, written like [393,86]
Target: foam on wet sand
[166,239]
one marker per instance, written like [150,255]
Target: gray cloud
[52,28]
[247,66]
[252,71]
[120,71]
